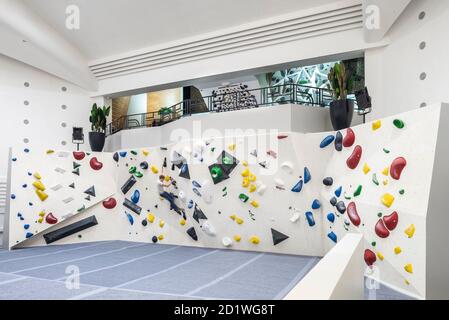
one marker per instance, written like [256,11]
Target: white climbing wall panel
[274,218]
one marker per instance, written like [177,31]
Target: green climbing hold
[134,152]
[216,172]
[386,150]
[138,174]
[358,191]
[398,123]
[132,170]
[375,181]
[227,160]
[347,197]
[243,197]
[380,214]
[402,191]
[212,149]
[373,243]
[224,189]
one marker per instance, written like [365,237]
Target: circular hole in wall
[26,140]
[64,107]
[422,45]
[26,84]
[422,14]
[63,124]
[26,121]
[63,142]
[422,105]
[26,102]
[423,76]
[64,89]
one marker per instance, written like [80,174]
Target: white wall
[49,123]
[393,72]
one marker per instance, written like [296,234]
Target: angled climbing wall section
[290,193]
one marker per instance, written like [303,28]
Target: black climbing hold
[192,233]
[144,222]
[87,198]
[328,181]
[72,185]
[278,237]
[227,161]
[154,239]
[128,184]
[338,141]
[144,165]
[198,214]
[132,206]
[333,201]
[76,171]
[173,167]
[341,207]
[164,148]
[76,165]
[90,191]
[165,163]
[115,157]
[184,172]
[70,229]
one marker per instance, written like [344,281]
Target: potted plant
[341,108]
[98,126]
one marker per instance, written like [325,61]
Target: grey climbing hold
[198,214]
[328,181]
[341,207]
[192,233]
[132,206]
[128,184]
[90,191]
[278,237]
[338,141]
[333,201]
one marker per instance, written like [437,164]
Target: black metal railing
[227,101]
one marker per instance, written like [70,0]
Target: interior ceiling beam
[39,40]
[379,16]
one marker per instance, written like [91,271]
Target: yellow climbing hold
[255,204]
[385,182]
[252,177]
[150,217]
[40,219]
[145,152]
[161,223]
[407,282]
[244,163]
[39,185]
[154,169]
[41,194]
[409,268]
[254,240]
[376,125]
[167,178]
[50,151]
[245,172]
[397,250]
[245,183]
[182,222]
[42,213]
[237,238]
[37,175]
[233,217]
[380,256]
[410,231]
[386,171]
[366,168]
[161,237]
[239,220]
[231,147]
[387,199]
[252,188]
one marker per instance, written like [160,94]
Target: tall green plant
[98,118]
[340,81]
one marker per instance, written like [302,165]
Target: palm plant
[98,117]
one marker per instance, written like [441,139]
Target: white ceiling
[110,27]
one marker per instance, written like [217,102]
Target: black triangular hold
[115,157]
[184,172]
[87,198]
[90,191]
[278,237]
[76,165]
[192,233]
[72,185]
[198,214]
[76,171]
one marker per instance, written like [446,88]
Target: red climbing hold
[110,203]
[391,221]
[352,214]
[349,138]
[381,230]
[79,155]
[95,164]
[282,136]
[51,219]
[370,257]
[396,167]
[354,158]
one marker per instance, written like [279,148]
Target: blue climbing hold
[30,174]
[26,226]
[195,190]
[24,185]
[338,191]
[30,204]
[316,204]
[327,141]
[196,184]
[19,214]
[297,187]
[13,196]
[136,196]
[130,218]
[310,219]
[26,150]
[307,175]
[331,235]
[14,159]
[28,235]
[190,205]
[122,154]
[331,217]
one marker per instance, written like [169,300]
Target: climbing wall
[289,193]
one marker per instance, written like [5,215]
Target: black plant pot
[341,112]
[96,141]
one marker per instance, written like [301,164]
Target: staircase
[2,206]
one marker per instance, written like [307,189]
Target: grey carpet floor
[129,270]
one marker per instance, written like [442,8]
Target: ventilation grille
[347,18]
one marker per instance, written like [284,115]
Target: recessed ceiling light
[24,41]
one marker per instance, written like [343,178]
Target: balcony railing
[223,102]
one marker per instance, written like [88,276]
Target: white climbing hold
[208,228]
[295,217]
[227,242]
[287,166]
[206,192]
[279,182]
[182,196]
[261,188]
